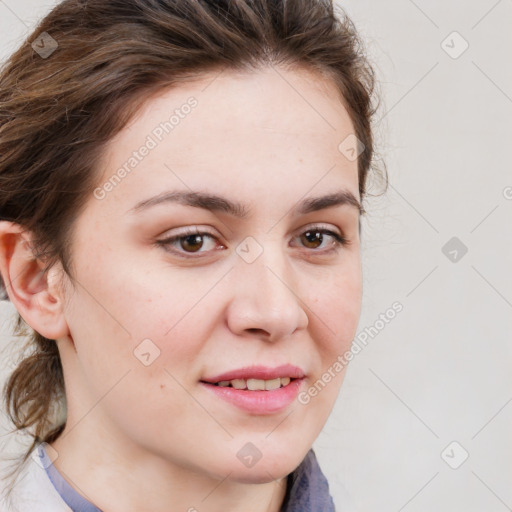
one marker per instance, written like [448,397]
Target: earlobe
[31,290]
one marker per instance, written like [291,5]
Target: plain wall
[434,384]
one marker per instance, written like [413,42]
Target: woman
[182,185]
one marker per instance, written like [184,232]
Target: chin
[257,476]
[267,469]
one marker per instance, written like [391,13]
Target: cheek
[334,317]
[123,301]
[337,311]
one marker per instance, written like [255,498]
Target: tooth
[223,383]
[256,384]
[285,381]
[273,384]
[238,383]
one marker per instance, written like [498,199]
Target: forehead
[272,96]
[264,130]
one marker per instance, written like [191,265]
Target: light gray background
[441,370]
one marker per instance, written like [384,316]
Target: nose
[265,300]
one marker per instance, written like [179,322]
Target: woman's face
[151,321]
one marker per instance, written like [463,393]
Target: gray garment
[308,490]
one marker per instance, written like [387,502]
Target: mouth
[254,384]
[257,377]
[257,390]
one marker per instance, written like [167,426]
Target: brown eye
[312,239]
[193,242]
[190,242]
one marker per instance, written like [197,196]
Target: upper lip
[258,372]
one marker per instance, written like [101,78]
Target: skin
[141,437]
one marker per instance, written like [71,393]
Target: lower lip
[258,402]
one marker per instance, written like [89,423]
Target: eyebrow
[216,203]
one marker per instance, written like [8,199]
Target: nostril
[255,330]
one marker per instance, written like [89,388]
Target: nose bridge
[265,297]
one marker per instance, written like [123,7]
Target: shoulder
[32,489]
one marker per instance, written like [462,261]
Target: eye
[315,236]
[190,241]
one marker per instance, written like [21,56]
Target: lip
[258,372]
[257,402]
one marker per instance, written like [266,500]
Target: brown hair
[58,111]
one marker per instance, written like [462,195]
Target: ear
[34,293]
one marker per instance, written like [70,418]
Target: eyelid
[193,230]
[188,231]
[319,226]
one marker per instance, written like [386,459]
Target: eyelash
[340,241]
